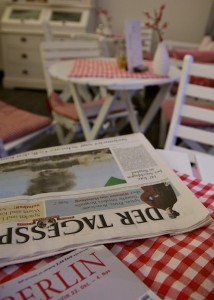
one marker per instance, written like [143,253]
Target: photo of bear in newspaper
[161,196]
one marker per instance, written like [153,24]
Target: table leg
[91,132]
[101,117]
[154,107]
[132,115]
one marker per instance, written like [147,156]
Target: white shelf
[22,30]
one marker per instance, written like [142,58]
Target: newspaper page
[86,273]
[116,189]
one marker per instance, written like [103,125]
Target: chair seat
[204,56]
[68,110]
[16,123]
[168,107]
[195,80]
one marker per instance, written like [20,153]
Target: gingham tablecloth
[107,68]
[178,267]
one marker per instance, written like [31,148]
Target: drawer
[24,71]
[22,40]
[20,56]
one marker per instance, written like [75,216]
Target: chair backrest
[57,50]
[147,38]
[200,139]
[173,45]
[103,42]
[48,34]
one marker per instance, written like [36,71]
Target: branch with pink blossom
[154,22]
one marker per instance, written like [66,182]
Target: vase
[161,63]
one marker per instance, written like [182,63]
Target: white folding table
[124,86]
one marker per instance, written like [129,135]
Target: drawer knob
[23,39]
[24,55]
[25,72]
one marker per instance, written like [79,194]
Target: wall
[187,19]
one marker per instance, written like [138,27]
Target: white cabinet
[22,33]
[22,62]
[64,21]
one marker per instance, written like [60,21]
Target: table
[117,80]
[177,267]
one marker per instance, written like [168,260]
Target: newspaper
[57,199]
[86,273]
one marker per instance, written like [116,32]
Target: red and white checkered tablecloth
[105,68]
[177,267]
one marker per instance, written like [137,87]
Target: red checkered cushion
[68,109]
[205,56]
[16,123]
[168,107]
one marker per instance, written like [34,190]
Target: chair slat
[192,133]
[187,138]
[67,54]
[198,113]
[204,70]
[53,51]
[200,92]
[70,44]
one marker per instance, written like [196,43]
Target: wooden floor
[36,101]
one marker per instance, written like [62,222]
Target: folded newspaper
[82,274]
[62,198]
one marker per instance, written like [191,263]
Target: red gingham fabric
[68,109]
[177,267]
[16,123]
[108,69]
[204,56]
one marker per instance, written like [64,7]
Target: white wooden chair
[48,34]
[174,44]
[206,44]
[205,166]
[189,138]
[20,129]
[147,41]
[181,45]
[201,52]
[64,112]
[88,36]
[178,161]
[103,42]
[167,105]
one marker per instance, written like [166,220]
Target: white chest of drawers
[22,32]
[21,35]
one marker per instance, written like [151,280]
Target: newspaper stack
[58,199]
